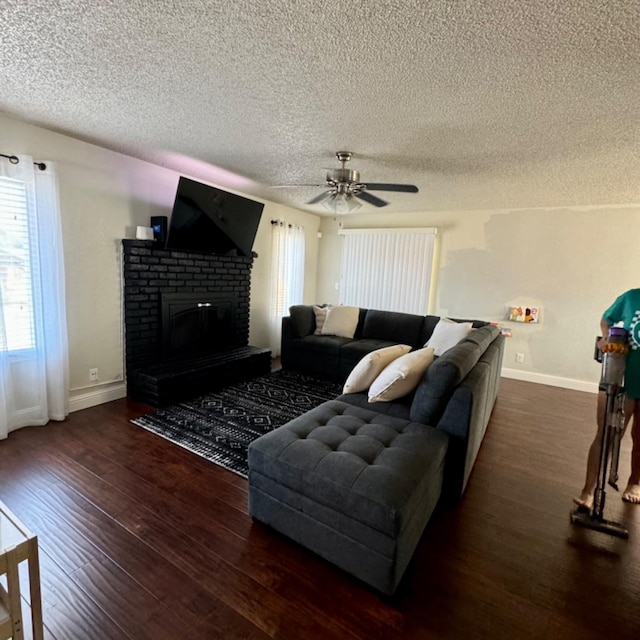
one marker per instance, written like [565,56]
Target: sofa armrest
[285,341]
[456,419]
[465,419]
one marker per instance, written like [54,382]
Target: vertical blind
[388,269]
[17,268]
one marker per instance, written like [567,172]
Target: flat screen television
[209,220]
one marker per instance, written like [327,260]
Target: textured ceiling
[492,104]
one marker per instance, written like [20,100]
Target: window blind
[16,267]
[388,269]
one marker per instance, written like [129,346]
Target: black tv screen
[209,220]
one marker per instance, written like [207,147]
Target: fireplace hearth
[186,323]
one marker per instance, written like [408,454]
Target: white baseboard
[554,381]
[97,396]
[115,392]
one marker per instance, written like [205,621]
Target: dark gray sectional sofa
[356,482]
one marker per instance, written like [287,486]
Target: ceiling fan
[343,185]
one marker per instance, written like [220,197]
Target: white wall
[572,262]
[103,197]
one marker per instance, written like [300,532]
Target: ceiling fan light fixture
[340,203]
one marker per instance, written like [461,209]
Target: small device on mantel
[159,225]
[144,233]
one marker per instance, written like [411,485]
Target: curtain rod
[281,223]
[14,160]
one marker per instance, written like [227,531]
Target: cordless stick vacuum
[613,357]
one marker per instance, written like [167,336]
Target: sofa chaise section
[354,486]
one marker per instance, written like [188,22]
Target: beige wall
[103,197]
[572,262]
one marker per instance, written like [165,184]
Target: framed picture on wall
[523,314]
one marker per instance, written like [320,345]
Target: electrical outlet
[93,375]
[519,358]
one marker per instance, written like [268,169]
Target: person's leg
[585,499]
[632,492]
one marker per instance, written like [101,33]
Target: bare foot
[585,500]
[632,493]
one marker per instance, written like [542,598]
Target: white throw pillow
[401,377]
[341,321]
[446,334]
[321,316]
[368,369]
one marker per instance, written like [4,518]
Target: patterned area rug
[219,426]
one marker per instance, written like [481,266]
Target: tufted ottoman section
[353,485]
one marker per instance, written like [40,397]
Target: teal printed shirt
[626,309]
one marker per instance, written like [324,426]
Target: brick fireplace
[186,322]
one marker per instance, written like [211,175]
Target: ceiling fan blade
[383,186]
[319,198]
[371,199]
[289,186]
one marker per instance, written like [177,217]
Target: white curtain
[287,276]
[34,361]
[388,269]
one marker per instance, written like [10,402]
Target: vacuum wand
[613,358]
[615,418]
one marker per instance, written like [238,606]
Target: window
[287,278]
[18,266]
[34,361]
[388,269]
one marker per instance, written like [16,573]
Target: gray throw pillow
[303,320]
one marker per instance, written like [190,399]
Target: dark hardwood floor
[140,539]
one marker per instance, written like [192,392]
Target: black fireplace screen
[195,324]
